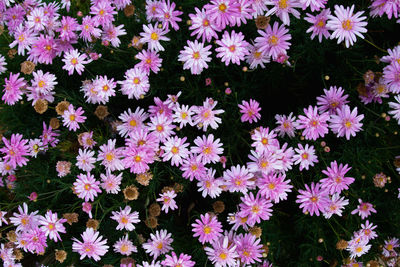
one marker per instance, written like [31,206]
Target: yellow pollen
[271,186]
[255,209]
[24,221]
[87,249]
[206,114]
[246,253]
[232,48]
[106,87]
[222,256]
[51,226]
[347,25]
[11,152]
[364,207]
[41,83]
[109,157]
[37,19]
[86,27]
[124,220]
[207,229]
[208,184]
[264,164]
[124,248]
[141,142]
[175,150]
[48,47]
[338,179]
[264,141]
[167,16]
[167,200]
[304,156]
[133,123]
[358,249]
[222,7]
[160,128]
[160,245]
[257,54]
[314,123]
[136,80]
[389,247]
[285,125]
[74,61]
[273,40]
[243,220]
[21,38]
[207,150]
[184,115]
[348,124]
[72,117]
[314,199]
[238,182]
[148,61]
[283,4]
[101,12]
[87,187]
[320,23]
[334,104]
[193,167]
[206,22]
[154,36]
[138,158]
[196,55]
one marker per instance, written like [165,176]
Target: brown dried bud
[11,53]
[129,10]
[27,67]
[262,22]
[61,107]
[154,210]
[92,223]
[341,244]
[131,192]
[151,222]
[101,112]
[144,178]
[218,206]
[60,255]
[71,217]
[41,106]
[54,123]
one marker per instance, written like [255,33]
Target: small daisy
[332,100]
[315,125]
[74,61]
[195,57]
[313,200]
[319,24]
[167,14]
[222,253]
[202,26]
[86,186]
[223,12]
[168,201]
[153,35]
[249,248]
[364,209]
[125,218]
[305,156]
[255,208]
[286,125]
[173,261]
[273,40]
[35,145]
[193,167]
[158,244]
[256,58]
[162,126]
[131,121]
[110,156]
[335,205]
[136,83]
[282,9]
[274,186]
[149,60]
[232,48]
[250,111]
[209,185]
[110,182]
[183,115]
[175,149]
[391,77]
[336,180]
[207,228]
[85,160]
[111,34]
[93,245]
[72,117]
[205,115]
[238,179]
[124,246]
[207,148]
[346,122]
[52,226]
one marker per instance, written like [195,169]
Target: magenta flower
[195,57]
[23,220]
[209,185]
[173,261]
[222,12]
[88,29]
[44,50]
[249,248]
[72,117]
[168,201]
[162,126]
[93,245]
[346,25]
[207,228]
[205,115]
[223,252]
[315,5]
[346,122]
[52,226]
[282,9]
[153,35]
[86,186]
[68,28]
[23,38]
[207,148]
[150,60]
[313,200]
[274,40]
[367,230]
[336,180]
[103,12]
[335,205]
[389,246]
[158,244]
[364,209]
[286,125]
[255,208]
[193,167]
[125,218]
[74,61]
[319,24]
[167,14]
[202,26]
[35,240]
[305,156]
[49,137]
[15,149]
[391,77]
[232,47]
[332,100]
[314,124]
[250,111]
[274,186]
[238,179]
[12,92]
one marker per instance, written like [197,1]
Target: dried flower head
[362,90]
[262,22]
[101,112]
[92,223]
[60,255]
[396,162]
[380,180]
[178,188]
[131,192]
[18,254]
[41,105]
[11,53]
[154,210]
[151,222]
[144,178]
[341,244]
[71,217]
[256,231]
[12,236]
[27,67]
[54,123]
[129,10]
[61,107]
[136,42]
[127,262]
[218,206]
[166,189]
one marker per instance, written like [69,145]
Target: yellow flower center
[74,61]
[154,36]
[132,123]
[124,220]
[87,187]
[232,48]
[206,22]
[175,150]
[138,158]
[320,24]
[348,124]
[223,256]
[124,248]
[160,128]
[109,156]
[160,245]
[347,25]
[101,12]
[207,150]
[304,156]
[255,209]
[196,55]
[72,117]
[273,40]
[207,229]
[314,199]
[257,54]
[271,186]
[222,7]
[136,80]
[282,4]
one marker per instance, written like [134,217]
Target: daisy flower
[44,50]
[249,248]
[245,12]
[336,180]
[110,182]
[315,125]
[23,220]
[389,246]
[282,9]
[175,149]
[136,83]
[222,253]
[153,35]
[85,160]
[12,92]
[202,26]
[52,226]
[104,88]
[209,185]
[168,201]
[393,55]
[183,115]
[222,12]
[110,156]
[36,19]
[93,245]
[255,208]
[152,7]
[256,58]
[274,186]
[68,28]
[193,167]
[183,260]
[131,121]
[314,199]
[395,108]
[367,230]
[103,12]
[72,117]
[35,240]
[125,218]
[264,140]
[286,125]
[206,115]
[250,111]
[358,249]
[74,61]
[88,30]
[207,148]
[43,82]
[346,25]
[86,186]
[238,179]
[15,149]
[335,205]
[24,38]
[346,122]
[273,40]
[195,57]
[162,126]
[150,60]
[111,34]
[207,228]
[232,48]
[86,140]
[305,156]
[315,5]
[2,219]
[332,100]
[391,77]
[124,246]
[264,162]
[167,14]
[319,24]
[3,64]
[158,244]
[364,209]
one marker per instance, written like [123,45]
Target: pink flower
[175,150]
[249,248]
[72,117]
[207,228]
[111,156]
[250,111]
[282,9]
[153,35]
[255,208]
[389,246]
[103,12]
[52,226]
[379,7]
[33,196]
[167,14]
[49,136]
[162,126]
[23,220]
[206,115]
[193,167]
[222,253]
[208,149]
[336,180]
[305,156]
[346,122]
[315,5]
[124,246]
[158,244]
[391,77]
[238,179]
[202,26]
[44,50]
[136,83]
[364,209]
[195,57]
[125,218]
[137,159]
[12,89]
[88,29]
[314,124]
[86,186]
[131,121]
[183,115]
[167,199]
[358,248]
[286,125]
[75,62]
[24,38]
[335,205]
[346,25]
[149,61]
[232,48]
[183,260]
[85,160]
[319,24]
[209,185]
[2,218]
[273,40]
[274,186]
[223,12]
[313,200]
[63,168]
[256,58]
[87,207]
[15,149]
[35,240]
[92,246]
[111,34]
[68,28]
[111,182]
[332,100]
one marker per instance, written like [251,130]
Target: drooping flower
[93,245]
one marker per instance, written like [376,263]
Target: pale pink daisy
[336,180]
[202,26]
[286,125]
[72,117]
[314,199]
[3,64]
[335,205]
[158,244]
[74,61]
[315,5]
[249,248]
[223,12]
[207,228]
[209,185]
[273,40]
[264,140]
[264,162]
[367,230]
[12,92]
[110,182]
[391,77]
[222,253]
[364,209]
[232,48]
[175,149]
[359,248]
[274,186]
[23,38]
[208,148]
[136,83]
[255,208]
[346,122]
[346,25]
[315,125]
[389,246]
[23,220]
[131,121]
[104,87]
[395,108]
[86,186]
[174,261]
[167,200]
[332,100]
[305,156]
[52,226]
[89,31]
[167,14]
[183,114]
[162,126]
[2,219]
[153,35]
[250,110]
[35,240]
[393,54]
[256,58]
[93,245]
[238,179]
[282,9]
[150,60]
[125,218]
[319,24]
[205,115]
[193,167]
[85,160]
[152,7]
[195,57]
[111,34]
[110,156]
[124,246]
[36,19]
[103,12]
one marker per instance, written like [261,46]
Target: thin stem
[374,45]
